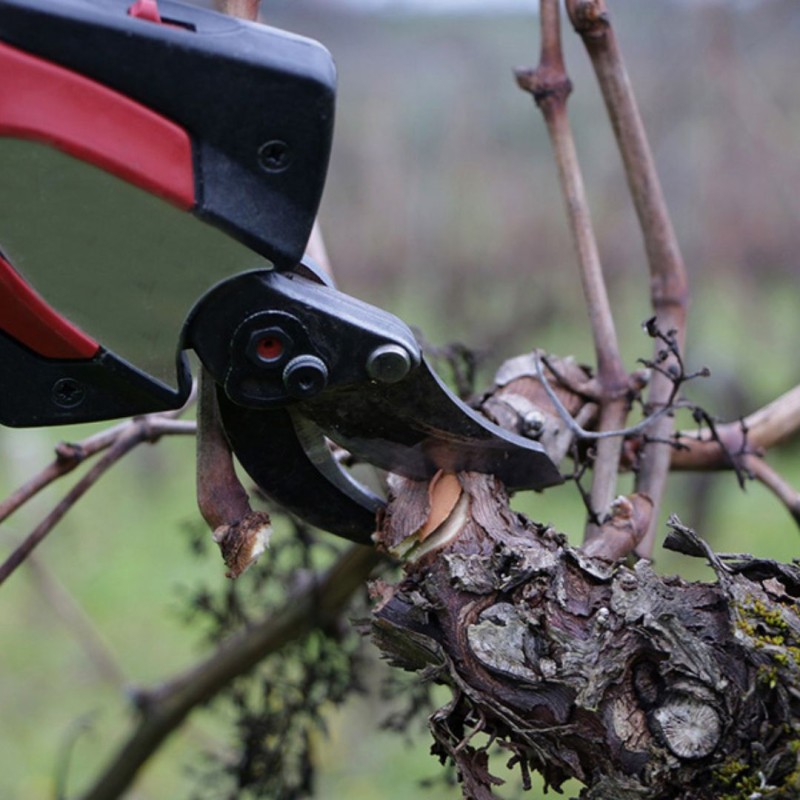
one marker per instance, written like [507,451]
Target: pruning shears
[232,122]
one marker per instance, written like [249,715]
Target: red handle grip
[43,101]
[27,318]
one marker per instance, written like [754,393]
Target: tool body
[227,119]
[288,351]
[231,121]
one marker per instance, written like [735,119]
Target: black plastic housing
[258,103]
[65,392]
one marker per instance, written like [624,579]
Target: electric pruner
[232,122]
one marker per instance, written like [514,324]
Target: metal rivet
[305,376]
[533,423]
[274,156]
[388,363]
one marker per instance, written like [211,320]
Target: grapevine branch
[116,442]
[668,281]
[241,533]
[550,87]
[764,429]
[781,488]
[737,445]
[69,456]
[164,708]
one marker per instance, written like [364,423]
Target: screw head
[68,393]
[305,376]
[388,363]
[274,156]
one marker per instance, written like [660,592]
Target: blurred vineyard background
[442,206]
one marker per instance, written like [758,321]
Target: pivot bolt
[388,363]
[269,346]
[305,376]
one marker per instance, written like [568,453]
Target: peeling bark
[636,685]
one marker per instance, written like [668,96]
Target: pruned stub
[634,684]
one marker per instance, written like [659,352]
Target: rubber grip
[42,101]
[26,317]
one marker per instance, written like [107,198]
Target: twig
[768,427]
[221,498]
[582,433]
[246,9]
[786,493]
[66,607]
[734,457]
[675,371]
[241,533]
[776,422]
[550,87]
[164,709]
[581,465]
[127,436]
[668,282]
[70,455]
[77,729]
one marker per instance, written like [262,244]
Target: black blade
[417,426]
[303,477]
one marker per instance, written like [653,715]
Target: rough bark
[635,684]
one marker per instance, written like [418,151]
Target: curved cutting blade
[295,467]
[418,426]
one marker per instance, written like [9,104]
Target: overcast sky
[489,6]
